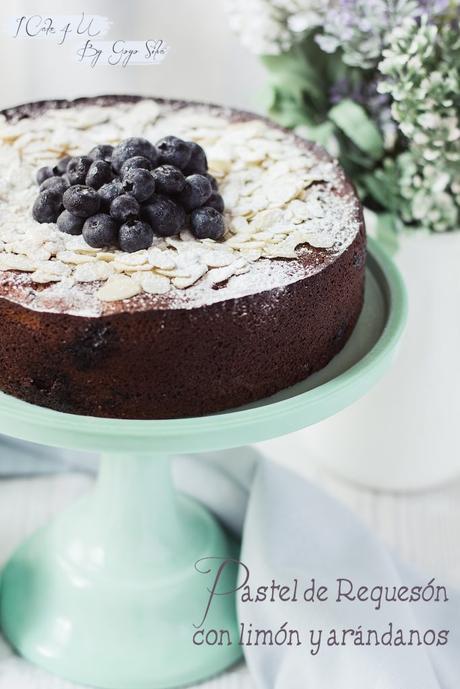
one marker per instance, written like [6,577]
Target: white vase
[405,434]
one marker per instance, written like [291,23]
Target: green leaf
[319,133]
[266,97]
[352,157]
[302,71]
[387,232]
[353,120]
[383,187]
[290,110]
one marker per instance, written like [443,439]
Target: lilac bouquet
[378,83]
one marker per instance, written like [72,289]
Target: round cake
[186,326]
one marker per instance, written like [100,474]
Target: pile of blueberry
[125,195]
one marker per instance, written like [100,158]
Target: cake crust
[156,356]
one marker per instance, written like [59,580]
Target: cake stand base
[108,593]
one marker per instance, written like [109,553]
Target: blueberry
[174,151]
[139,183]
[198,162]
[59,184]
[164,216]
[196,192]
[61,167]
[69,223]
[103,152]
[207,223]
[77,169]
[168,179]
[216,201]
[124,208]
[212,180]
[81,201]
[129,148]
[44,173]
[99,173]
[109,192]
[135,235]
[100,230]
[135,162]
[47,206]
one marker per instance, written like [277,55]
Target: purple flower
[360,28]
[433,7]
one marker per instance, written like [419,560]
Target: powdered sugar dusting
[288,213]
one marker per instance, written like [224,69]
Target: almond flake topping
[119,287]
[277,198]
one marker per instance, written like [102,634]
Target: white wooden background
[423,527]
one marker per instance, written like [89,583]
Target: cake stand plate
[109,592]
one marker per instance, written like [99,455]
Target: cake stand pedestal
[108,593]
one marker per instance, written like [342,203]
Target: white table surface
[423,527]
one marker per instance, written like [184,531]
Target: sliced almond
[320,240]
[74,258]
[93,271]
[118,287]
[161,259]
[299,209]
[137,258]
[219,259]
[183,283]
[105,256]
[50,271]
[17,262]
[154,284]
[219,275]
[43,277]
[119,267]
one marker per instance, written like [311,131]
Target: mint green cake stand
[107,594]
